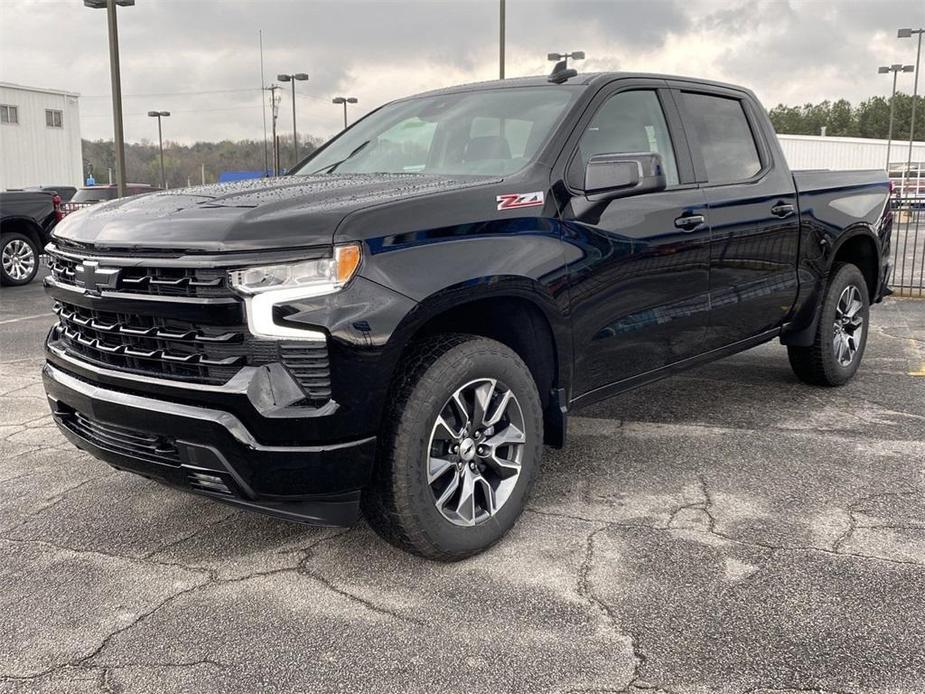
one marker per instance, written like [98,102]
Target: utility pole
[501,44]
[263,111]
[116,78]
[274,104]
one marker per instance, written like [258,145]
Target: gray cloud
[787,51]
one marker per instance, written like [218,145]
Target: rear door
[753,213]
[638,266]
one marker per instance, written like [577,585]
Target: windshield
[492,132]
[94,194]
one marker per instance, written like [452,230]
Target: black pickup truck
[400,324]
[26,221]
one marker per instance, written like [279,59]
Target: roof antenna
[561,72]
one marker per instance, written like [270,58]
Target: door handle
[689,222]
[782,210]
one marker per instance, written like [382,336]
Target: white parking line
[22,318]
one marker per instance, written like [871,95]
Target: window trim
[54,111]
[679,141]
[745,103]
[15,107]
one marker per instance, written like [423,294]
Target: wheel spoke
[509,435]
[489,492]
[443,430]
[500,409]
[482,397]
[503,466]
[448,492]
[461,410]
[437,467]
[465,508]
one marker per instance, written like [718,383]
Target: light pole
[115,76]
[301,77]
[896,68]
[344,100]
[574,55]
[160,142]
[907,34]
[501,42]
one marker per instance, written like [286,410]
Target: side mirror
[610,176]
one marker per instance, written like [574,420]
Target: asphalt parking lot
[726,530]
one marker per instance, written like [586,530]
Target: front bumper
[211,452]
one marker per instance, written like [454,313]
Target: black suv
[400,324]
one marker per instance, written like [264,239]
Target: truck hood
[252,215]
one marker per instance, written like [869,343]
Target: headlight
[265,286]
[323,274]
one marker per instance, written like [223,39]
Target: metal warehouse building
[816,152]
[39,137]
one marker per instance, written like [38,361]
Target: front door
[638,266]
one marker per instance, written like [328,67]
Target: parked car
[26,221]
[401,324]
[64,192]
[91,195]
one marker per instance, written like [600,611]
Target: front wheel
[841,334]
[19,259]
[460,449]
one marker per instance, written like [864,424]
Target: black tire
[821,364]
[17,251]
[400,503]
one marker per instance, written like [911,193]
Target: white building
[816,152]
[39,137]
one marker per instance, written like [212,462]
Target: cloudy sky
[199,59]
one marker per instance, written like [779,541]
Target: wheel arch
[515,311]
[25,226]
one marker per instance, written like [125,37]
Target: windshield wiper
[330,167]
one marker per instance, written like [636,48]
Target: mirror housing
[620,175]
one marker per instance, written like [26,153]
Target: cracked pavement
[725,530]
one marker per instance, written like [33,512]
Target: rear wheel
[461,448]
[19,259]
[841,335]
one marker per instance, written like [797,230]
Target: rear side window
[727,145]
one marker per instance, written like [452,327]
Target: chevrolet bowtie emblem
[93,278]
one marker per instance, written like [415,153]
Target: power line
[192,93]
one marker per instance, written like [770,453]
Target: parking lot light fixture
[896,68]
[160,142]
[293,78]
[907,34]
[344,100]
[116,78]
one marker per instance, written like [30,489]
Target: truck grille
[173,349]
[154,281]
[156,341]
[152,345]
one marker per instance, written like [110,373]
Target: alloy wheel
[849,325]
[475,452]
[18,259]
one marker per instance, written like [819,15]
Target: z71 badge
[511,201]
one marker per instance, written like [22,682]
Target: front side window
[630,123]
[727,145]
[489,132]
[9,114]
[54,118]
